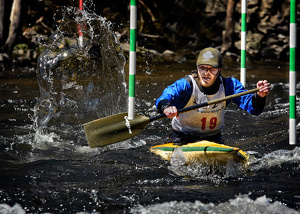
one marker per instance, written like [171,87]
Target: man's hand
[171,112]
[264,88]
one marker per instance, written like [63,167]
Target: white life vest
[204,121]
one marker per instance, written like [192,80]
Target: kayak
[202,151]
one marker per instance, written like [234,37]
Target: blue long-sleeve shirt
[178,94]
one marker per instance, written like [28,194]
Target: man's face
[207,74]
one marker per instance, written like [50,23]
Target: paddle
[116,128]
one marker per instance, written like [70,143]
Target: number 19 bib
[205,121]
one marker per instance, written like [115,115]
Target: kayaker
[204,85]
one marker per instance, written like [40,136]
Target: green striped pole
[292,76]
[243,42]
[132,59]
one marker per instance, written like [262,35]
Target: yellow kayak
[202,151]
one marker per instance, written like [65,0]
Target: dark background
[182,26]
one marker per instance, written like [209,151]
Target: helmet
[210,56]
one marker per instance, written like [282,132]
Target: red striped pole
[80,39]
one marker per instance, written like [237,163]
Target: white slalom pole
[243,41]
[292,75]
[132,59]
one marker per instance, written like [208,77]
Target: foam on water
[16,209]
[275,159]
[216,172]
[62,148]
[213,171]
[240,204]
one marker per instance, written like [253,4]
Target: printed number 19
[212,123]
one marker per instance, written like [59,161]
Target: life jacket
[205,121]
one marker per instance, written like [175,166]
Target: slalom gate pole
[80,39]
[80,4]
[132,59]
[243,41]
[292,73]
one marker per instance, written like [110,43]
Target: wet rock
[168,55]
[190,25]
[4,57]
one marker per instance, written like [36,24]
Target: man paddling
[204,85]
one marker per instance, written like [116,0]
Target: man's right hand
[171,112]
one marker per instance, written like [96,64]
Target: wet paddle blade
[113,129]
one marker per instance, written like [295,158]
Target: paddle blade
[113,129]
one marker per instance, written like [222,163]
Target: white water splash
[16,209]
[240,204]
[276,158]
[127,123]
[213,171]
[78,83]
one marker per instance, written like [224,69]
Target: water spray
[78,82]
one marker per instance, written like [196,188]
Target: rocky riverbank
[175,31]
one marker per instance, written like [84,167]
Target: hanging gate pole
[243,41]
[80,39]
[80,5]
[292,73]
[132,59]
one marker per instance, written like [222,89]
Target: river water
[46,165]
[45,173]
